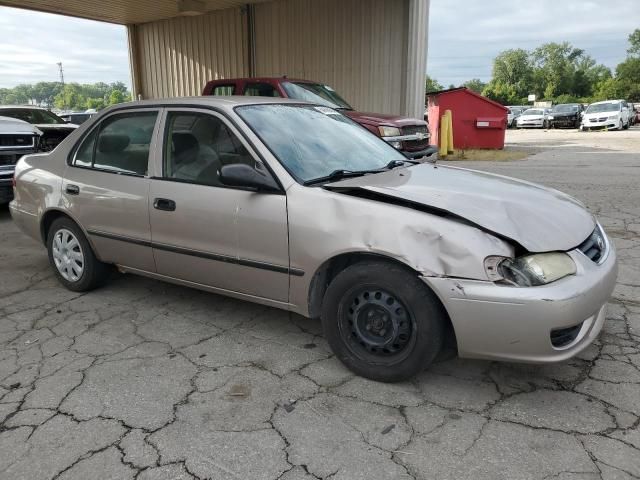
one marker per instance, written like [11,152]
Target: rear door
[106,187]
[206,232]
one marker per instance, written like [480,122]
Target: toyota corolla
[295,206]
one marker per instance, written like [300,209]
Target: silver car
[295,206]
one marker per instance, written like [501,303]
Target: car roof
[259,79]
[606,101]
[208,100]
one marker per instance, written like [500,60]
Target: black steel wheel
[376,326]
[382,321]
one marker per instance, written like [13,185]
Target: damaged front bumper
[543,324]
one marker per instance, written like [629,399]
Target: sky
[464,37]
[32,43]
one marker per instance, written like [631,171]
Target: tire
[626,127]
[72,258]
[382,322]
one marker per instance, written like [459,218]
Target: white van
[610,114]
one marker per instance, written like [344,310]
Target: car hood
[13,125]
[382,119]
[539,219]
[563,114]
[600,114]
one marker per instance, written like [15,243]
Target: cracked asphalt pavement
[142,379]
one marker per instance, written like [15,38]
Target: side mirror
[242,175]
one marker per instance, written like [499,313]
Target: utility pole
[64,102]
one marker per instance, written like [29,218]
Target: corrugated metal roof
[119,11]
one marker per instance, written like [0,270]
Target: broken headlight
[530,270]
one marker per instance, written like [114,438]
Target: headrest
[112,143]
[183,142]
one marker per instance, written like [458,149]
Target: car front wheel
[382,322]
[72,258]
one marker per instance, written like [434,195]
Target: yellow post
[449,132]
[444,135]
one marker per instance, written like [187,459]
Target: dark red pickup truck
[409,135]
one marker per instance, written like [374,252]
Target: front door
[106,188]
[205,232]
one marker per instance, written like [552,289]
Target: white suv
[610,114]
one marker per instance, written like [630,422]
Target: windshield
[32,115]
[565,108]
[533,111]
[315,93]
[312,142]
[603,107]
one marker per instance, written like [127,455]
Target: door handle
[72,189]
[164,204]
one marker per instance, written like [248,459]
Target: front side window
[196,147]
[120,144]
[261,90]
[311,142]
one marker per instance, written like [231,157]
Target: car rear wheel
[72,258]
[382,322]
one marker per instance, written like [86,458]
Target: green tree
[71,97]
[628,78]
[608,89]
[555,67]
[95,103]
[432,85]
[115,97]
[634,43]
[475,84]
[512,77]
[44,93]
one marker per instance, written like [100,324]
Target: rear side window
[224,90]
[119,144]
[260,90]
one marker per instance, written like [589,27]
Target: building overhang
[126,12]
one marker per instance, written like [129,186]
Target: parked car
[296,206]
[409,135]
[566,115]
[636,113]
[53,128]
[610,114]
[533,118]
[513,114]
[17,138]
[77,118]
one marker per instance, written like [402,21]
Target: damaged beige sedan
[295,206]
